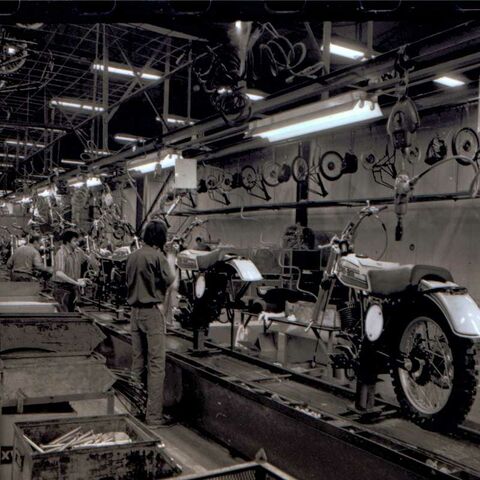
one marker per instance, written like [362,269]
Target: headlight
[200,286]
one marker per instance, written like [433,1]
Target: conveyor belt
[310,410]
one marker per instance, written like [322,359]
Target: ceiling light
[255,95]
[12,155]
[67,161]
[238,25]
[449,81]
[150,162]
[11,50]
[91,182]
[126,138]
[104,153]
[6,165]
[45,192]
[346,52]
[126,71]
[335,112]
[176,120]
[76,104]
[11,141]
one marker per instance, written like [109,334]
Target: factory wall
[441,233]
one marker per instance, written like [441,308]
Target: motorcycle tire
[463,382]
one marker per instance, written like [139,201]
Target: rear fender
[246,269]
[458,307]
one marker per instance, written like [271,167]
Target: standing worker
[26,260]
[148,277]
[68,271]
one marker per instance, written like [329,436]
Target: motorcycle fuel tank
[352,270]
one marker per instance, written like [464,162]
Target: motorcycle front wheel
[434,377]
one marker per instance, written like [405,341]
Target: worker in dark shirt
[148,277]
[26,260]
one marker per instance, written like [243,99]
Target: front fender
[459,308]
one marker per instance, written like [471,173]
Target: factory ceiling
[57,105]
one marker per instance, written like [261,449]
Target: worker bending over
[148,278]
[68,271]
[26,260]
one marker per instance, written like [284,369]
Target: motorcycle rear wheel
[436,386]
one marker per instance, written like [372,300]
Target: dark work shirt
[148,276]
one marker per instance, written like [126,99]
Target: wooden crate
[145,458]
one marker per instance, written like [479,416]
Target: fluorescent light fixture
[67,161]
[127,138]
[45,192]
[150,162]
[99,153]
[91,182]
[126,71]
[76,104]
[449,81]
[346,109]
[6,165]
[255,95]
[176,120]
[11,155]
[346,52]
[11,141]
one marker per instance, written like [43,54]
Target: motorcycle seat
[198,259]
[399,279]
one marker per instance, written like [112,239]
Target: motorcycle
[211,283]
[411,321]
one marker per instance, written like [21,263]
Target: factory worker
[67,271]
[26,260]
[148,277]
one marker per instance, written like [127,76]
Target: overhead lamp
[12,141]
[127,138]
[150,162]
[176,120]
[346,109]
[126,71]
[90,182]
[449,81]
[346,52]
[97,152]
[12,155]
[45,192]
[6,165]
[68,161]
[255,95]
[74,104]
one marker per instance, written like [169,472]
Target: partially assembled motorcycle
[410,320]
[212,283]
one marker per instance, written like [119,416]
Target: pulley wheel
[211,182]
[300,169]
[436,150]
[465,143]
[227,182]
[368,161]
[249,177]
[331,165]
[271,173]
[285,173]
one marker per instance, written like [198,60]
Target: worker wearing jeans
[148,277]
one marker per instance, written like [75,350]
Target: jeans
[148,356]
[65,296]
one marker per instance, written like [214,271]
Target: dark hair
[155,234]
[68,235]
[34,238]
